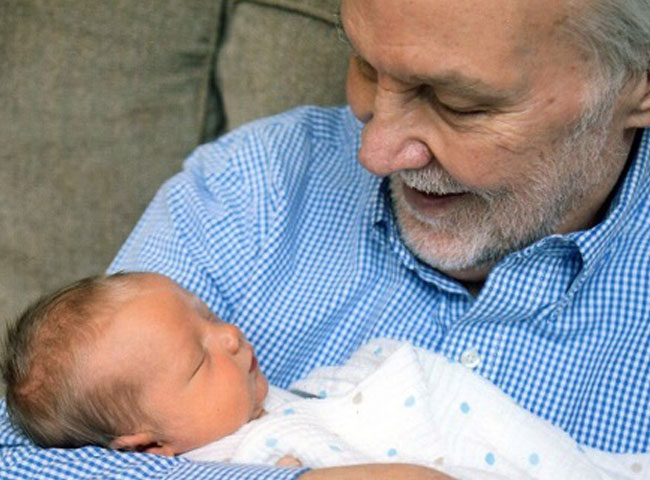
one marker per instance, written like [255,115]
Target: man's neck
[474,288]
[472,279]
[470,275]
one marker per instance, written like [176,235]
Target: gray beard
[493,223]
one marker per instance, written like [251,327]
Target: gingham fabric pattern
[280,230]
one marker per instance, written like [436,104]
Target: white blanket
[396,403]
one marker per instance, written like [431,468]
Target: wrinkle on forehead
[502,30]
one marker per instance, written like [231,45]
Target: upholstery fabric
[302,62]
[100,101]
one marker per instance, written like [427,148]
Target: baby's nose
[231,337]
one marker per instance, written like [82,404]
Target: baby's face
[199,376]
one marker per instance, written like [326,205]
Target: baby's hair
[48,396]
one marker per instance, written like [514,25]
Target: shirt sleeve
[203,230]
[203,227]
[21,459]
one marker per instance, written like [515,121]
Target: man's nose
[230,337]
[390,140]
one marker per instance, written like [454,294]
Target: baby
[129,361]
[135,362]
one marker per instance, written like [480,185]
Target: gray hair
[616,35]
[46,396]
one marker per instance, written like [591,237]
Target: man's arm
[388,471]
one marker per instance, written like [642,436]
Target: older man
[501,218]
[496,127]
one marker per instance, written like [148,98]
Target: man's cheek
[491,160]
[476,164]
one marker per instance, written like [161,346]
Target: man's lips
[429,201]
[253,366]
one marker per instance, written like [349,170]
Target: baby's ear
[140,442]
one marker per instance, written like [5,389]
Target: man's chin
[458,268]
[449,252]
[470,274]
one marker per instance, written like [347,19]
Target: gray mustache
[433,180]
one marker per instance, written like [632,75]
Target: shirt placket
[526,287]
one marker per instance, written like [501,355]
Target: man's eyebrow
[459,84]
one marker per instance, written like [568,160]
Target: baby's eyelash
[198,367]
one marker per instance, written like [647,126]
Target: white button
[470,358]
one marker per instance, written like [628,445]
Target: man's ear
[141,442]
[638,93]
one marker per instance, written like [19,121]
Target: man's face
[476,111]
[199,377]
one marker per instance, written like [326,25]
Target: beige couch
[100,101]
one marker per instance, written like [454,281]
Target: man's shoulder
[320,122]
[283,144]
[305,152]
[316,124]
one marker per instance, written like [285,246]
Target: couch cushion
[101,101]
[277,54]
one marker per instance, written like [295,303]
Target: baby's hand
[288,461]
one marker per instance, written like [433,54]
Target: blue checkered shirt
[280,230]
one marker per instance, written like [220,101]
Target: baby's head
[130,361]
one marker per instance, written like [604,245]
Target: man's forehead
[468,6]
[500,43]
[508,17]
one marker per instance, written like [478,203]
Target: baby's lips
[253,364]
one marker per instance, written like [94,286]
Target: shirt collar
[631,191]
